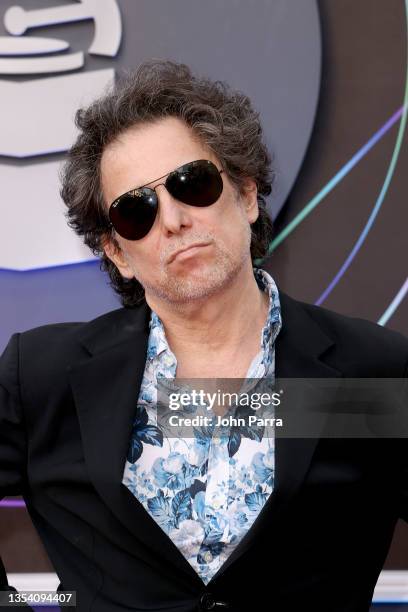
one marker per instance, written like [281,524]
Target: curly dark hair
[222,118]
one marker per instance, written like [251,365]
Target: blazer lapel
[105,386]
[299,353]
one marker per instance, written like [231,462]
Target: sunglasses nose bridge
[171,213]
[158,185]
[160,193]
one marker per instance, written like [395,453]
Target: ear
[116,255]
[249,198]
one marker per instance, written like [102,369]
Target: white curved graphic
[37,233]
[62,63]
[38,119]
[31,46]
[105,13]
[47,124]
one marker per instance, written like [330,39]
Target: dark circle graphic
[270,49]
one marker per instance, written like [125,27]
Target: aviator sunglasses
[197,183]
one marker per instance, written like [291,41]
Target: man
[166,182]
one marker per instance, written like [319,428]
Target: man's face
[141,155]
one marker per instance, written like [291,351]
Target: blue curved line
[85,262]
[308,208]
[334,181]
[360,239]
[344,170]
[394,304]
[381,196]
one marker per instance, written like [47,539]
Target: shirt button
[207,602]
[208,556]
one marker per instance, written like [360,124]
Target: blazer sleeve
[12,433]
[403,496]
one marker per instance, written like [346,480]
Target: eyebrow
[134,189]
[160,177]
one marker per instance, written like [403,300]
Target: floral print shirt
[204,491]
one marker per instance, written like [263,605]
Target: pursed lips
[186,249]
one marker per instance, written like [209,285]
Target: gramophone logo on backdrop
[36,119]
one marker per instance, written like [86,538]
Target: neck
[215,325]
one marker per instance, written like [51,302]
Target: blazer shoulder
[56,332]
[360,343]
[44,353]
[56,342]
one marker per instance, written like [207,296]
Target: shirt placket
[216,494]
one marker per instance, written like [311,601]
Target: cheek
[225,215]
[144,261]
[237,224]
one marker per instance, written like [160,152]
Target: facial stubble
[178,284]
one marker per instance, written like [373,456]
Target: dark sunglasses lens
[133,216]
[198,183]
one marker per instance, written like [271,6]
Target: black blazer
[67,397]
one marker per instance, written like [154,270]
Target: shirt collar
[273,320]
[157,338]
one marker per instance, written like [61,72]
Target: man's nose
[172,214]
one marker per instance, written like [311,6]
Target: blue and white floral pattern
[204,492]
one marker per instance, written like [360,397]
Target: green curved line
[312,204]
[380,200]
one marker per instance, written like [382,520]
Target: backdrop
[330,82]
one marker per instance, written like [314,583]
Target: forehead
[146,152]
